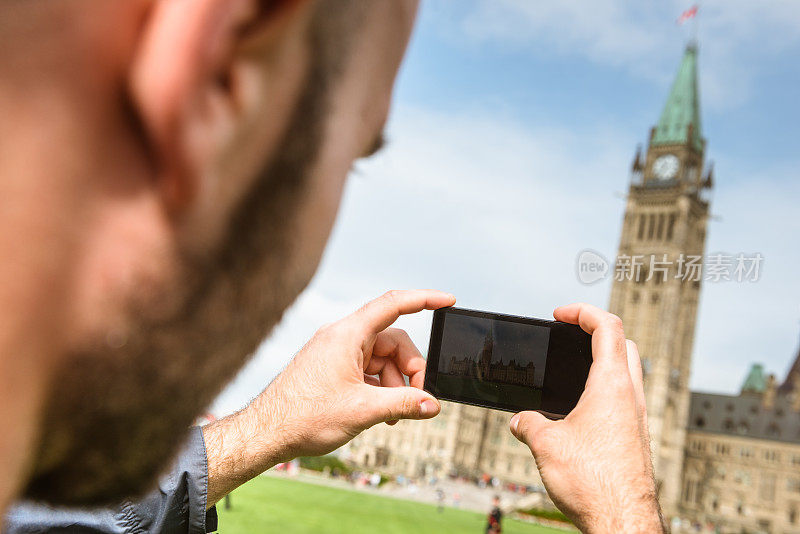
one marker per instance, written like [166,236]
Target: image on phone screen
[507,362]
[485,359]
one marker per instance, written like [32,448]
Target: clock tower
[658,271]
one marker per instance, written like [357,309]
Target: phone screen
[507,362]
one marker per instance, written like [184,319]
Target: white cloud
[496,212]
[736,36]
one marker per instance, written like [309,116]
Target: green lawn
[268,504]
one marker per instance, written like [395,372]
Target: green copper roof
[755,382]
[682,108]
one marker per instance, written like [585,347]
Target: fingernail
[514,423]
[427,407]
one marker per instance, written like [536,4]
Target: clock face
[666,167]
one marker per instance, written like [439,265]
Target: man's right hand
[595,463]
[329,393]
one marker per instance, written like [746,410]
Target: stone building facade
[741,469]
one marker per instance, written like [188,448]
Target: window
[671,226]
[767,487]
[660,230]
[728,425]
[699,422]
[635,297]
[690,491]
[675,377]
[743,427]
[793,485]
[651,226]
[773,430]
[740,476]
[642,222]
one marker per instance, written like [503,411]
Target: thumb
[525,425]
[391,404]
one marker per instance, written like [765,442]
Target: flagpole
[692,34]
[695,23]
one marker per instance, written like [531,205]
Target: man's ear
[179,80]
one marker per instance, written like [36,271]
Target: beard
[119,411]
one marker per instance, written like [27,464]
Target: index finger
[608,337]
[379,314]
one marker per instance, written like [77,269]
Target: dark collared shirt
[178,505]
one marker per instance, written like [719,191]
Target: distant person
[170,171]
[495,518]
[439,500]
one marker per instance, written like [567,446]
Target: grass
[268,504]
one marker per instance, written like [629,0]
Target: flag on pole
[688,14]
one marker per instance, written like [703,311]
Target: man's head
[169,174]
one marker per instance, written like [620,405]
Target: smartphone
[507,362]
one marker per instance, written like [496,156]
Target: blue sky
[512,132]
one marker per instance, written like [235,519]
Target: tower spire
[680,120]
